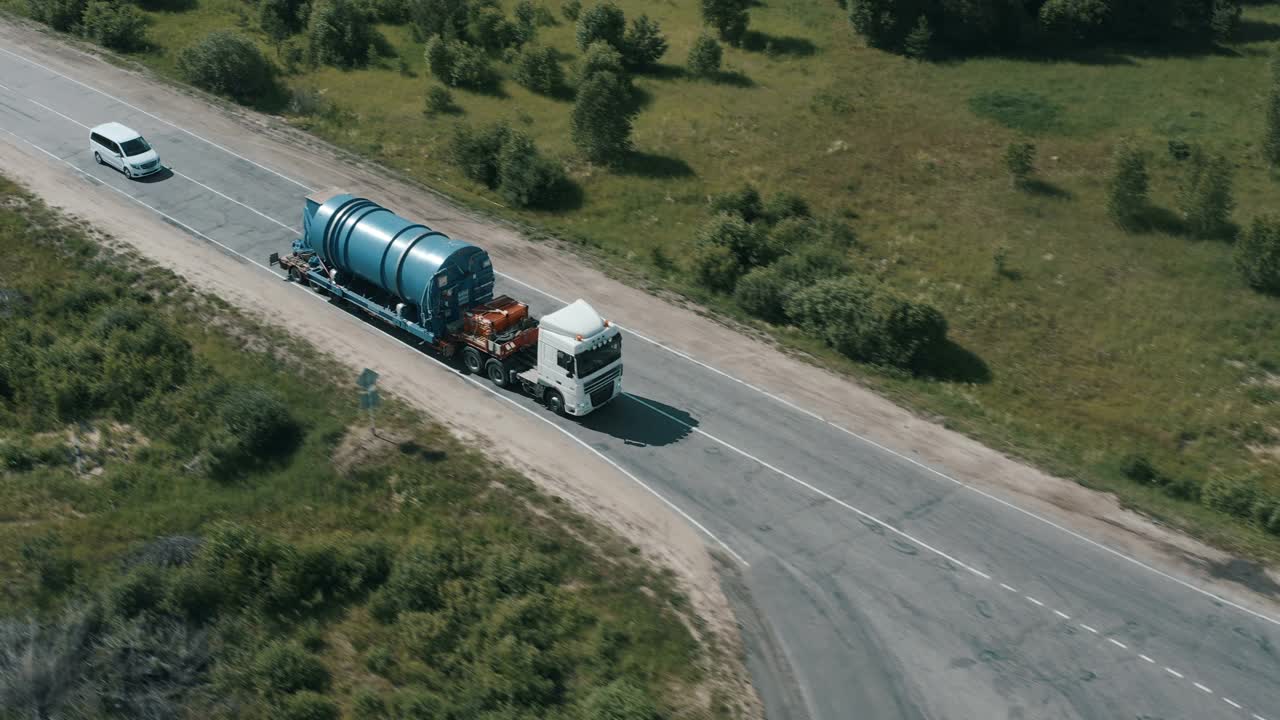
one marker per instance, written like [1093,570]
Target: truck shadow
[641,422]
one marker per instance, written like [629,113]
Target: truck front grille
[601,396]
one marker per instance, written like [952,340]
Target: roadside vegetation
[196,522]
[1044,222]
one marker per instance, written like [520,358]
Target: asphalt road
[871,586]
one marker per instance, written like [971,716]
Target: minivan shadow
[159,176]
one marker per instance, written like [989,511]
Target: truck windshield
[591,361]
[136,146]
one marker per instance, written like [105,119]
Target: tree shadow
[732,78]
[1159,219]
[951,362]
[1249,574]
[650,165]
[1044,188]
[778,45]
[1256,31]
[416,451]
[640,421]
[663,71]
[566,196]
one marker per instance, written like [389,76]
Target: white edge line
[1173,672]
[475,382]
[156,117]
[1086,627]
[1231,702]
[814,489]
[1034,601]
[1010,588]
[1117,643]
[1062,615]
[766,393]
[1258,717]
[1202,687]
[1144,657]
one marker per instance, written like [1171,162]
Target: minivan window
[136,146]
[98,139]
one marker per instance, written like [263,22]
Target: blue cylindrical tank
[438,275]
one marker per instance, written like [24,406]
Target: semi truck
[440,290]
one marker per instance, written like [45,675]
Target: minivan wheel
[96,157]
[127,173]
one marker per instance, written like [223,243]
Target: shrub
[287,668]
[420,705]
[644,43]
[572,9]
[476,153]
[308,705]
[1233,496]
[1020,159]
[620,700]
[918,44]
[716,267]
[603,22]
[784,205]
[600,57]
[490,29]
[875,325]
[525,178]
[526,16]
[379,660]
[255,426]
[1179,150]
[1205,196]
[281,18]
[446,19]
[439,100]
[1257,255]
[50,561]
[1127,187]
[743,202]
[193,595]
[1139,469]
[763,292]
[368,703]
[790,234]
[704,57]
[60,15]
[747,242]
[119,26]
[142,590]
[228,63]
[458,64]
[1271,140]
[1183,489]
[16,456]
[602,117]
[728,17]
[539,70]
[340,33]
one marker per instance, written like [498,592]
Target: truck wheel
[555,402]
[471,360]
[497,372]
[296,276]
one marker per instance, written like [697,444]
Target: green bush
[446,19]
[790,234]
[16,456]
[439,100]
[1139,469]
[50,561]
[307,705]
[743,202]
[538,69]
[490,29]
[118,26]
[254,427]
[287,668]
[785,205]
[1233,496]
[763,292]
[1257,255]
[600,57]
[1020,160]
[918,44]
[620,700]
[572,9]
[1127,186]
[716,267]
[458,64]
[281,18]
[476,152]
[1271,140]
[747,242]
[704,57]
[368,703]
[875,324]
[228,63]
[525,178]
[644,44]
[416,704]
[601,23]
[140,591]
[340,33]
[391,12]
[192,594]
[379,659]
[1204,196]
[810,261]
[728,17]
[60,15]
[602,117]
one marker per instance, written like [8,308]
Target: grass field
[488,592]
[1091,344]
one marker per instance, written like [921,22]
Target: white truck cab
[579,359]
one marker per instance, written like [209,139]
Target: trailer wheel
[471,360]
[497,372]
[555,402]
[296,276]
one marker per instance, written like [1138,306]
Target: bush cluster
[481,23]
[340,33]
[116,25]
[1242,498]
[1204,197]
[228,63]
[603,113]
[1257,254]
[729,17]
[459,64]
[538,69]
[997,25]
[704,57]
[506,160]
[640,45]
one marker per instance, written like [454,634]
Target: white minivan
[115,145]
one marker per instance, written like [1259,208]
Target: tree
[763,292]
[1128,185]
[489,28]
[601,22]
[281,18]
[476,153]
[538,69]
[1205,196]
[728,17]
[601,57]
[525,178]
[1225,19]
[526,20]
[458,64]
[704,57]
[228,63]
[120,27]
[644,43]
[439,100]
[340,34]
[444,18]
[784,205]
[918,44]
[716,267]
[602,117]
[1020,159]
[1271,143]
[572,9]
[1074,21]
[747,242]
[743,202]
[62,15]
[1257,255]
